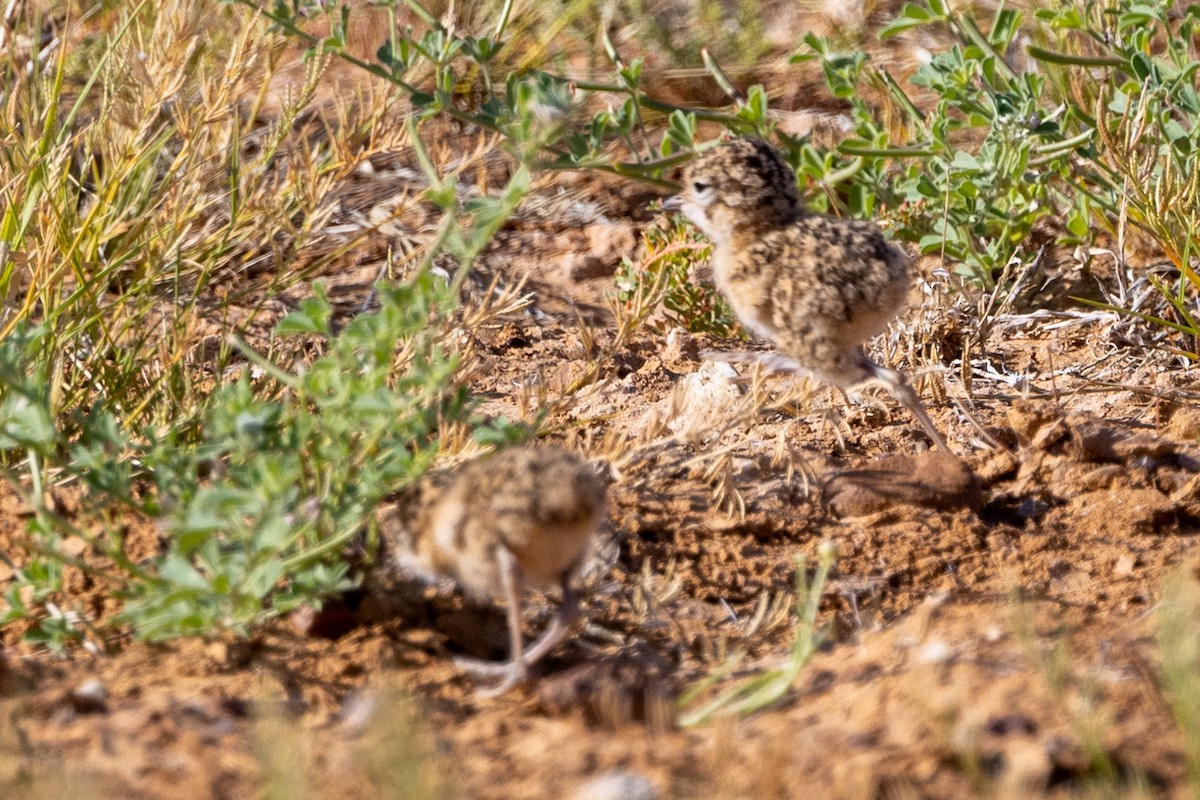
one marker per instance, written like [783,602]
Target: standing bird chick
[525,515]
[815,286]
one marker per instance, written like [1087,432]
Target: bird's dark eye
[699,186]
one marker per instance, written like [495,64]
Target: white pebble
[617,785]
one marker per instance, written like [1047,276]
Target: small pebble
[617,785]
[936,652]
[357,710]
[89,697]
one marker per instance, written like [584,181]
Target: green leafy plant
[666,271]
[259,509]
[975,171]
[258,484]
[1102,133]
[116,260]
[1145,110]
[300,471]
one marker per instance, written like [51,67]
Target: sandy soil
[992,622]
[992,629]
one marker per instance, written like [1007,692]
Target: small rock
[1185,424]
[681,347]
[651,366]
[1104,477]
[934,479]
[217,652]
[1187,497]
[935,652]
[1100,441]
[89,697]
[302,619]
[357,710]
[74,546]
[706,393]
[1125,565]
[617,785]
[996,466]
[1136,512]
[1036,422]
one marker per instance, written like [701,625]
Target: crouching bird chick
[522,516]
[815,286]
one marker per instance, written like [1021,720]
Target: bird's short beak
[673,203]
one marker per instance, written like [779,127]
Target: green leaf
[313,316]
[263,578]
[1077,225]
[179,572]
[25,422]
[911,16]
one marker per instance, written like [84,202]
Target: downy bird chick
[525,515]
[815,286]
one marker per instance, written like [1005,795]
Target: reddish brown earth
[992,622]
[989,624]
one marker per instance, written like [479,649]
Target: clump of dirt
[936,480]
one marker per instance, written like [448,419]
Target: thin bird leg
[560,627]
[903,391]
[516,670]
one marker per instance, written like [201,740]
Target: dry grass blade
[767,688]
[150,203]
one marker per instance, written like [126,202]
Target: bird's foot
[507,674]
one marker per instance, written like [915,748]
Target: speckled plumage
[814,285]
[524,515]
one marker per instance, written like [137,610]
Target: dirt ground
[992,623]
[992,630]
